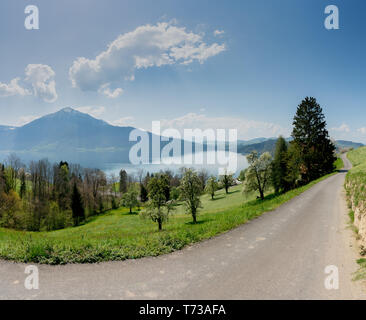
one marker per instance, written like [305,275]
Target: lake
[212,169]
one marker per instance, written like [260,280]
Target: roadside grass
[118,235]
[339,164]
[357,156]
[355,186]
[360,274]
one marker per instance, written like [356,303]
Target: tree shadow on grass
[133,213]
[217,198]
[191,223]
[232,192]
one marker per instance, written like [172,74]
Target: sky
[243,64]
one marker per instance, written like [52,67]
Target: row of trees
[160,192]
[309,155]
[43,196]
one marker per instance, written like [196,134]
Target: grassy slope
[356,182]
[357,156]
[118,235]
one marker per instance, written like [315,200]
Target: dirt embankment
[356,196]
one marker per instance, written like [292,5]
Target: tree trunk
[261,193]
[212,196]
[194,217]
[160,225]
[130,210]
[227,189]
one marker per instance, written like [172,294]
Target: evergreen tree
[2,179]
[312,138]
[279,166]
[143,193]
[62,185]
[123,181]
[293,166]
[77,206]
[23,186]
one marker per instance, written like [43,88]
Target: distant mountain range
[245,147]
[79,138]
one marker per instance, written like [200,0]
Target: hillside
[355,186]
[269,145]
[72,135]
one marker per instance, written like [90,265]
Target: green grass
[118,235]
[357,156]
[339,164]
[361,272]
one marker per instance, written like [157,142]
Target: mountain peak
[67,109]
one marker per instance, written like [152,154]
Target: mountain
[70,135]
[77,137]
[344,144]
[252,141]
[261,147]
[270,144]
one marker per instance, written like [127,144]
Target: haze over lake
[114,168]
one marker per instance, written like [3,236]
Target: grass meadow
[118,235]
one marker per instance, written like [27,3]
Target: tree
[9,206]
[312,138]
[14,165]
[203,175]
[226,181]
[166,176]
[242,175]
[143,193]
[211,186]
[23,185]
[258,174]
[77,206]
[293,166]
[158,207]
[190,190]
[279,166]
[129,198]
[62,185]
[123,179]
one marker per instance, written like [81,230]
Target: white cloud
[218,33]
[342,128]
[41,76]
[25,119]
[123,122]
[147,46]
[247,129]
[362,130]
[12,89]
[110,93]
[93,111]
[38,81]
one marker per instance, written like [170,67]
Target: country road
[280,255]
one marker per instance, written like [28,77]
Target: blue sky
[250,74]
